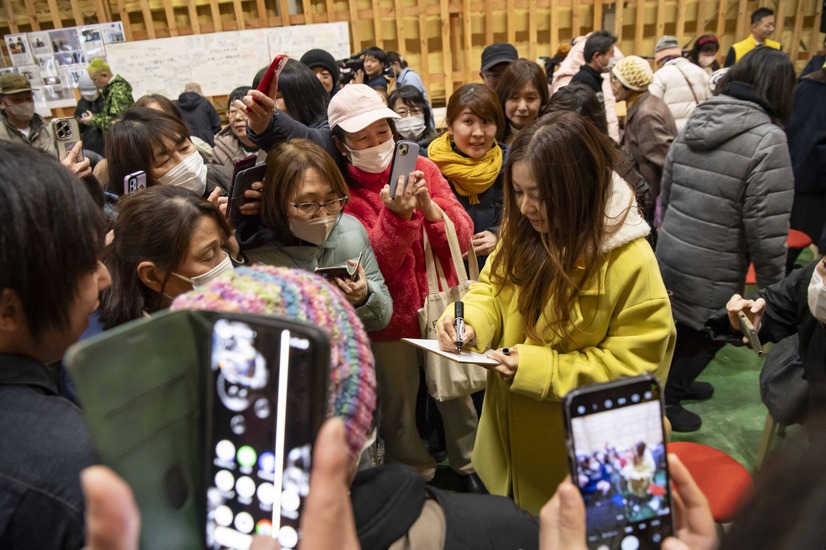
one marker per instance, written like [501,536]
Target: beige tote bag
[447,379]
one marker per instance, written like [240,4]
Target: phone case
[134,182]
[346,271]
[143,397]
[66,132]
[748,330]
[404,162]
[243,182]
[275,69]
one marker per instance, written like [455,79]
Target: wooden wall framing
[441,39]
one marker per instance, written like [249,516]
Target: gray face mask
[23,111]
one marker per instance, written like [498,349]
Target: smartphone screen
[618,461]
[267,403]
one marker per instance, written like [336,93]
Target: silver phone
[748,331]
[404,162]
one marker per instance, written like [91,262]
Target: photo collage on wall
[54,60]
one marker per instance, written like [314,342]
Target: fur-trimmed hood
[623,222]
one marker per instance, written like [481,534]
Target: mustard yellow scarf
[470,177]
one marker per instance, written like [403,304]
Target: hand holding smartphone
[748,331]
[617,456]
[241,184]
[344,272]
[271,75]
[66,133]
[134,182]
[404,162]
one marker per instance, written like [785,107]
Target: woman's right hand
[359,77]
[404,202]
[447,334]
[754,310]
[259,108]
[254,197]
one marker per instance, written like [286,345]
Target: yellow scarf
[470,177]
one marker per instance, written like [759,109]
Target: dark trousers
[693,351]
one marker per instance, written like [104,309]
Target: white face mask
[190,174]
[706,60]
[817,297]
[313,231]
[612,62]
[212,274]
[411,128]
[23,111]
[373,159]
[89,96]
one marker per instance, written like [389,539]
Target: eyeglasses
[333,206]
[415,111]
[235,113]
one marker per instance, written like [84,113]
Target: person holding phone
[166,241]
[158,144]
[472,160]
[362,130]
[303,225]
[571,296]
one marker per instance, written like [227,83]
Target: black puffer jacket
[199,116]
[726,197]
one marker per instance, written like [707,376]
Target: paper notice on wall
[41,43]
[19,49]
[91,41]
[295,41]
[112,33]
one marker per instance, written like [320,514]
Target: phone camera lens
[403,149]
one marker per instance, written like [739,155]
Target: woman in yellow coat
[572,296]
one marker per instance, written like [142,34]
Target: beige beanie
[634,72]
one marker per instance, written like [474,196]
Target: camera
[349,67]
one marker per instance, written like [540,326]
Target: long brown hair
[519,74]
[572,163]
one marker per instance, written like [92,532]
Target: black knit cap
[321,58]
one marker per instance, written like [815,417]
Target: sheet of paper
[465,357]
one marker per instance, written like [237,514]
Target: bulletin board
[219,62]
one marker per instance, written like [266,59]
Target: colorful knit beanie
[300,295]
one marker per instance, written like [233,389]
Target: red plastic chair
[797,240]
[723,480]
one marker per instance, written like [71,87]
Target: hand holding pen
[459,324]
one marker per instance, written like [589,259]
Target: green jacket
[40,136]
[117,96]
[347,239]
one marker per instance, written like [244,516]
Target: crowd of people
[610,245]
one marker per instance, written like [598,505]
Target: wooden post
[170,18]
[447,56]
[576,23]
[306,7]
[815,42]
[533,29]
[467,39]
[722,10]
[511,21]
[618,20]
[147,20]
[13,28]
[77,13]
[425,51]
[798,27]
[400,34]
[660,23]
[377,34]
[239,14]
[701,18]
[31,11]
[742,16]
[554,24]
[680,30]
[193,16]
[284,12]
[216,16]
[124,18]
[54,11]
[489,22]
[780,21]
[639,24]
[263,18]
[354,18]
[597,15]
[331,11]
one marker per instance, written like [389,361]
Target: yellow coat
[745,46]
[520,444]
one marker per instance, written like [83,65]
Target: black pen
[459,323]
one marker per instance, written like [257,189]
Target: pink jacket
[397,242]
[570,66]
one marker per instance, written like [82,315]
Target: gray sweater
[726,195]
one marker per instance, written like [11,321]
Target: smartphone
[243,182]
[134,182]
[748,331]
[617,457]
[342,271]
[404,162]
[272,73]
[266,400]
[66,132]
